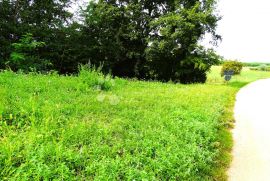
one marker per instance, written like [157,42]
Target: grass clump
[134,131]
[94,78]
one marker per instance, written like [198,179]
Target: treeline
[144,39]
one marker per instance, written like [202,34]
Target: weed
[94,78]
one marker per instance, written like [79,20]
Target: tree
[141,38]
[174,41]
[47,20]
[152,39]
[24,56]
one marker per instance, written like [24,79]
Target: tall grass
[94,78]
[67,128]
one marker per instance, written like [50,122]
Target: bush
[93,77]
[235,66]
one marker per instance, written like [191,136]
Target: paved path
[251,152]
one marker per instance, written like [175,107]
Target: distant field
[57,127]
[255,64]
[246,76]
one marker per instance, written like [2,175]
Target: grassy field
[93,127]
[246,77]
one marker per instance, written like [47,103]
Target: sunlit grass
[67,128]
[246,76]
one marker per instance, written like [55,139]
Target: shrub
[235,66]
[93,77]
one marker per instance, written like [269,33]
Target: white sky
[245,29]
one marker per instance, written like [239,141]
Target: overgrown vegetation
[64,127]
[143,39]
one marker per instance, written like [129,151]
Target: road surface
[251,152]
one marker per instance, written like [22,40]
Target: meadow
[93,127]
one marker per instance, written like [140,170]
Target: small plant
[234,66]
[93,77]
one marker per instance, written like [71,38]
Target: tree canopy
[140,38]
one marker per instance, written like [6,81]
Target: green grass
[255,64]
[93,127]
[238,81]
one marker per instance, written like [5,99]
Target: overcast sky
[245,29]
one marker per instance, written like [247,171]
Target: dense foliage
[143,39]
[234,66]
[157,40]
[47,21]
[25,55]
